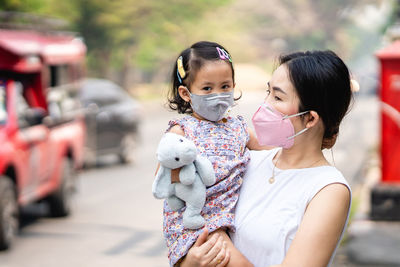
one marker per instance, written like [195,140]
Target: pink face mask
[274,128]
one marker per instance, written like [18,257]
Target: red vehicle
[42,133]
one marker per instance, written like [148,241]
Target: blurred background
[134,42]
[121,89]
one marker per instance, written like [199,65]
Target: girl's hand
[211,252]
[175,175]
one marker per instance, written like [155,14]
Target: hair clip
[223,54]
[181,73]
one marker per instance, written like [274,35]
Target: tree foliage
[122,34]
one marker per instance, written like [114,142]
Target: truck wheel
[9,212]
[60,201]
[128,145]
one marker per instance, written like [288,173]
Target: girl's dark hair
[193,58]
[322,82]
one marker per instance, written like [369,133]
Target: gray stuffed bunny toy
[175,151]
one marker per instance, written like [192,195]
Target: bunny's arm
[187,174]
[205,170]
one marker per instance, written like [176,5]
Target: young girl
[202,87]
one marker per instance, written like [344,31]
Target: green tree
[139,34]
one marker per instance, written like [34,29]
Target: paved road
[118,223]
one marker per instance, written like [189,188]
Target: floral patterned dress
[224,144]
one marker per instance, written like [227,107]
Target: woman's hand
[211,252]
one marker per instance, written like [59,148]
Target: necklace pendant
[271,180]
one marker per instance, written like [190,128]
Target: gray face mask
[212,107]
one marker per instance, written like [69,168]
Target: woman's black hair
[193,58]
[322,82]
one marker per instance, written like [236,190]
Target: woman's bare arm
[320,229]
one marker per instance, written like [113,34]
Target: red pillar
[386,195]
[390,112]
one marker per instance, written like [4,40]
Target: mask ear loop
[190,94]
[333,158]
[300,132]
[294,115]
[236,99]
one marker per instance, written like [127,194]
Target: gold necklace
[272,179]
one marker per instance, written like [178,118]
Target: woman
[293,206]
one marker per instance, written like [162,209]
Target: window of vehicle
[59,75]
[102,93]
[21,106]
[3,104]
[103,102]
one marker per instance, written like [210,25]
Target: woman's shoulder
[324,176]
[327,174]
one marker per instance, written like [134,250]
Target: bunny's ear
[205,170]
[162,183]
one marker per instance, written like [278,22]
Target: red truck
[42,132]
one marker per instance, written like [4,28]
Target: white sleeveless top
[268,215]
